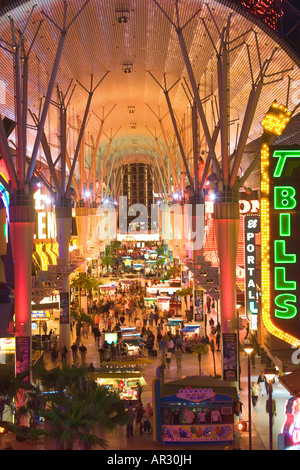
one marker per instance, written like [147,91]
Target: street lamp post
[248,350]
[270,374]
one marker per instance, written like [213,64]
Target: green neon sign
[284,197]
[287,309]
[281,282]
[284,241]
[280,255]
[285,225]
[281,167]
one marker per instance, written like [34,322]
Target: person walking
[83,352]
[129,427]
[139,411]
[218,339]
[74,349]
[54,353]
[273,408]
[162,346]
[63,353]
[179,342]
[254,393]
[262,382]
[139,391]
[98,336]
[145,318]
[178,355]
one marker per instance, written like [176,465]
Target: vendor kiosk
[190,333]
[150,302]
[194,410]
[192,330]
[122,380]
[164,302]
[174,325]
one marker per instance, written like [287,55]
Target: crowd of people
[125,306]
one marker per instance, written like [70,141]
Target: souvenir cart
[194,410]
[191,332]
[150,302]
[123,380]
[174,325]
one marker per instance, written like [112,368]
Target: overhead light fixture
[127,68]
[133,125]
[131,109]
[122,16]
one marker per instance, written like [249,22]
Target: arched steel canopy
[131,105]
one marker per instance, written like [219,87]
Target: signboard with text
[282,224]
[252,226]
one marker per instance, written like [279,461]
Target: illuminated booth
[164,302]
[7,350]
[174,325]
[150,302]
[194,410]
[122,380]
[191,331]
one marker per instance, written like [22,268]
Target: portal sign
[282,222]
[252,226]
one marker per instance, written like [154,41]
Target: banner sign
[198,305]
[64,308]
[230,357]
[251,226]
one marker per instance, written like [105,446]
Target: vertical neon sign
[280,215]
[251,227]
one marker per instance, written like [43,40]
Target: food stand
[150,302]
[129,345]
[7,350]
[191,331]
[174,325]
[194,410]
[122,380]
[164,302]
[110,337]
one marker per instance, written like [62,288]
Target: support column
[82,216]
[92,224]
[22,225]
[63,211]
[226,220]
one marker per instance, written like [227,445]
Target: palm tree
[185,292]
[115,246]
[159,263]
[107,261]
[173,271]
[200,349]
[83,282]
[76,412]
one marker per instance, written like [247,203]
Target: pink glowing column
[226,228]
[22,224]
[226,219]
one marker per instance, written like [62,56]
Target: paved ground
[118,440]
